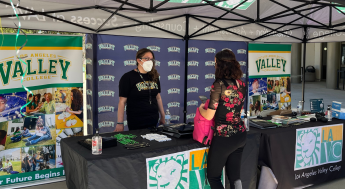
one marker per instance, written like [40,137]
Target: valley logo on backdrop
[106,93]
[242,63]
[88,46]
[191,116]
[192,103]
[89,92]
[210,63]
[130,63]
[241,51]
[174,63]
[192,90]
[106,124]
[208,89]
[157,63]
[131,48]
[106,46]
[193,63]
[193,76]
[173,77]
[154,48]
[88,76]
[174,91]
[175,118]
[193,50]
[174,49]
[89,122]
[318,146]
[173,105]
[210,76]
[210,50]
[89,61]
[226,49]
[106,78]
[106,62]
[106,109]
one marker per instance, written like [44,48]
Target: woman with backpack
[226,102]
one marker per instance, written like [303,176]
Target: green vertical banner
[30,137]
[269,77]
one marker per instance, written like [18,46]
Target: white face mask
[147,65]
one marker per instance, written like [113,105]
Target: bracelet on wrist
[120,123]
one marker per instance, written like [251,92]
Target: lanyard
[148,85]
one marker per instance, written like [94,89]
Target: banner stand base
[34,183]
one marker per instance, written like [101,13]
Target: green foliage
[13,30]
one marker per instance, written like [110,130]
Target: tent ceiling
[236,20]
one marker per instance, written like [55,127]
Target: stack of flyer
[336,109]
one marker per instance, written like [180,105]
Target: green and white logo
[168,172]
[318,146]
[225,4]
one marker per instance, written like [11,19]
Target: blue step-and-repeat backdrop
[201,68]
[109,57]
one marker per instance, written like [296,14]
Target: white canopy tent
[275,21]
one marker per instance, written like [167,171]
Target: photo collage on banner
[30,143]
[116,56]
[201,69]
[269,78]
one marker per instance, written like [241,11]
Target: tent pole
[186,38]
[304,60]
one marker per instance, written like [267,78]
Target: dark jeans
[226,151]
[33,166]
[16,138]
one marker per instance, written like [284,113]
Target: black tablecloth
[120,168]
[277,151]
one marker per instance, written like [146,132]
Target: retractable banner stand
[30,143]
[115,55]
[201,70]
[269,77]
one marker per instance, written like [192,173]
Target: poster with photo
[69,107]
[255,105]
[28,142]
[10,104]
[61,134]
[37,158]
[41,102]
[257,86]
[31,131]
[270,63]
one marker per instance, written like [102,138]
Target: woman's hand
[162,120]
[119,128]
[68,110]
[202,106]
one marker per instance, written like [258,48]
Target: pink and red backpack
[203,132]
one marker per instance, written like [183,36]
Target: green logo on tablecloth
[184,170]
[168,172]
[318,145]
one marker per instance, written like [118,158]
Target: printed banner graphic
[269,77]
[30,145]
[179,170]
[318,146]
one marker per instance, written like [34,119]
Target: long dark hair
[38,99]
[154,75]
[227,66]
[17,129]
[77,101]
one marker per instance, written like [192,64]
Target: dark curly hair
[154,75]
[227,66]
[77,101]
